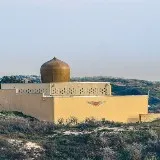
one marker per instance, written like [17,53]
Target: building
[57,98]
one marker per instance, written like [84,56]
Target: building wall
[149,117]
[30,104]
[112,108]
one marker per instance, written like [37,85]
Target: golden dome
[55,70]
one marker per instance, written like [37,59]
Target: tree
[11,79]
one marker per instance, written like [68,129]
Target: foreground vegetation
[24,137]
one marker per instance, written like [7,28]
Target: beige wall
[63,89]
[80,89]
[31,104]
[112,108]
[149,117]
[29,88]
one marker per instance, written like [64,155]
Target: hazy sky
[96,37]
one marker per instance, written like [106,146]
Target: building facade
[58,98]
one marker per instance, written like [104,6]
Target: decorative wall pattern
[80,89]
[29,88]
[96,103]
[63,89]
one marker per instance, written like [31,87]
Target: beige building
[58,98]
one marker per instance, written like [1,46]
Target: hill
[23,137]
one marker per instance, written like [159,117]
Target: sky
[119,38]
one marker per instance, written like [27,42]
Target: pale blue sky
[96,37]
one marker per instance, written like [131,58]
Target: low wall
[29,88]
[149,117]
[80,89]
[30,104]
[62,89]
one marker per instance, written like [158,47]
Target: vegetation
[23,137]
[11,79]
[20,79]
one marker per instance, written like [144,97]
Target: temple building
[57,98]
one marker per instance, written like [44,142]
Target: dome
[55,70]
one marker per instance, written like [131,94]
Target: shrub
[72,121]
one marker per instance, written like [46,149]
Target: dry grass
[23,137]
